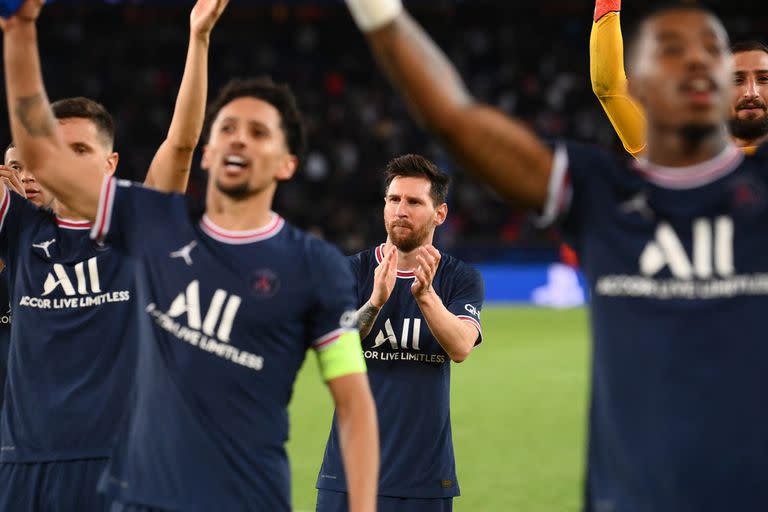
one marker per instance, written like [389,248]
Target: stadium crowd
[129,58]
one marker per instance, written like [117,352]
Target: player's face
[749,106]
[35,192]
[410,215]
[83,138]
[247,151]
[683,70]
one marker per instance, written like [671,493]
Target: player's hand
[205,14]
[428,259]
[384,277]
[27,13]
[12,180]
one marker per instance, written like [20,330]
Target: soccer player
[228,304]
[10,175]
[749,105]
[73,341]
[419,310]
[672,246]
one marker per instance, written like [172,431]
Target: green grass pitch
[518,413]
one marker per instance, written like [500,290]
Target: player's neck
[239,214]
[408,260]
[678,149]
[65,213]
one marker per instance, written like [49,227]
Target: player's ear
[204,161]
[441,213]
[112,161]
[287,168]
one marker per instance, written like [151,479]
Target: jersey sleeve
[609,82]
[579,177]
[333,321]
[129,215]
[467,298]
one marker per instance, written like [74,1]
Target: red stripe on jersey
[329,339]
[99,230]
[5,207]
[405,274]
[73,224]
[471,320]
[242,237]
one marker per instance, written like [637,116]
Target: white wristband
[372,14]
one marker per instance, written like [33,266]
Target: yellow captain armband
[341,355]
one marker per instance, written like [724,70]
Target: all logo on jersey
[76,287]
[706,271]
[210,329]
[712,251]
[405,347]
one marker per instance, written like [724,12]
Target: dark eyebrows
[81,145]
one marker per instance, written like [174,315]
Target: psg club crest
[748,195]
[264,283]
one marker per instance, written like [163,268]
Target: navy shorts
[334,501]
[62,486]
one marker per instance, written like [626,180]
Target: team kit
[186,329]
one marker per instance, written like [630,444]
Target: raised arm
[169,171]
[74,181]
[609,82]
[499,150]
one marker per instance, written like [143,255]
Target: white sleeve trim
[327,340]
[557,196]
[104,211]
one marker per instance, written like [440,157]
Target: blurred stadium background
[519,403]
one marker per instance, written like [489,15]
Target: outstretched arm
[35,131]
[498,149]
[609,82]
[169,171]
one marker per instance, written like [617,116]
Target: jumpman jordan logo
[638,203]
[185,252]
[44,246]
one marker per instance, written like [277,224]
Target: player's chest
[699,244]
[230,296]
[401,332]
[68,271]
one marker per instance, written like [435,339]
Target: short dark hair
[656,10]
[84,108]
[416,166]
[279,96]
[749,46]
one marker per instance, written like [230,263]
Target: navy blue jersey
[5,330]
[225,321]
[410,377]
[677,268]
[72,354]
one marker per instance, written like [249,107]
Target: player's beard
[238,192]
[414,238]
[749,129]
